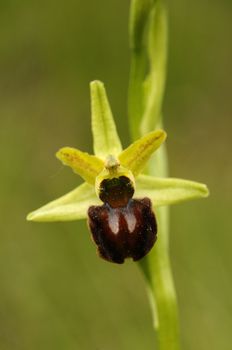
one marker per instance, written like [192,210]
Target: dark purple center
[117,191]
[123,232]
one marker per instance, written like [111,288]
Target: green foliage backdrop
[54,292]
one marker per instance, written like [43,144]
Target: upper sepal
[105,137]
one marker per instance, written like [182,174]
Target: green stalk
[157,269]
[148,42]
[139,14]
[137,71]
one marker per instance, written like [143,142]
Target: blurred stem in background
[148,44]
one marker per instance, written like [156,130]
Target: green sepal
[138,153]
[166,191]
[105,137]
[82,163]
[72,206]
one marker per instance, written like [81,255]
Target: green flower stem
[139,14]
[137,71]
[157,56]
[149,50]
[157,269]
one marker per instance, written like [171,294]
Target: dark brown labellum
[117,191]
[122,227]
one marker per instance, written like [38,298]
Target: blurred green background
[55,293]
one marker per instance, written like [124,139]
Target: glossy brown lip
[122,227]
[116,191]
[123,232]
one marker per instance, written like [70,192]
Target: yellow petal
[138,153]
[82,163]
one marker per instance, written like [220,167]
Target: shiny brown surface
[116,191]
[123,232]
